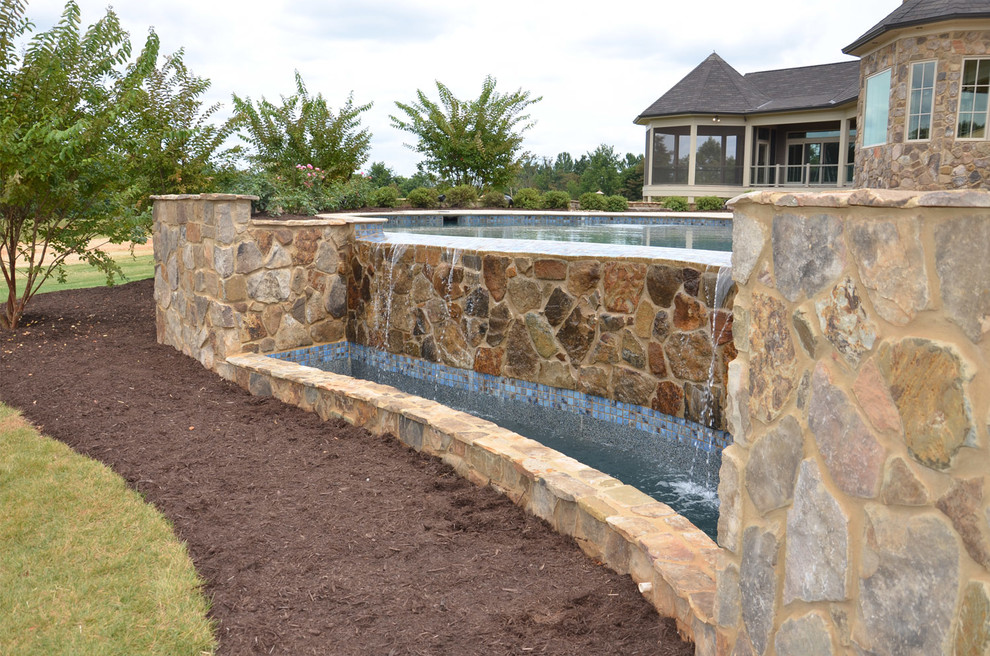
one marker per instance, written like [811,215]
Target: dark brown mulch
[313,538]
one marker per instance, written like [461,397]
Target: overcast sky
[597,65]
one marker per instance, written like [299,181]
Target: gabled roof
[714,87]
[922,12]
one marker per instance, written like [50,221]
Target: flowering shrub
[311,175]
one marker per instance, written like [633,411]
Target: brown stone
[844,322]
[263,238]
[632,351]
[499,319]
[689,313]
[584,277]
[494,270]
[489,361]
[925,382]
[658,363]
[874,398]
[610,323]
[662,282]
[558,306]
[252,327]
[606,350]
[692,281]
[623,285]
[972,636]
[541,334]
[963,504]
[643,323]
[453,348]
[689,356]
[631,386]
[594,381]
[524,294]
[447,281]
[901,487]
[521,358]
[661,326]
[556,374]
[550,269]
[773,363]
[669,399]
[305,244]
[577,333]
[327,331]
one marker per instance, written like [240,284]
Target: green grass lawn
[80,276]
[86,567]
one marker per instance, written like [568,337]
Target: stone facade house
[912,113]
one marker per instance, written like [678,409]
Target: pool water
[683,477]
[708,238]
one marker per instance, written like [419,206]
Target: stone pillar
[854,516]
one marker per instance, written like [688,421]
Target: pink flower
[309,166]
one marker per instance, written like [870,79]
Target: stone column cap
[865,198]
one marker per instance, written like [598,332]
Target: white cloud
[596,64]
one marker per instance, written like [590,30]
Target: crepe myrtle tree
[303,130]
[469,142]
[66,99]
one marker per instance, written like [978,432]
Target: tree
[381,175]
[602,171]
[304,130]
[631,177]
[472,142]
[65,104]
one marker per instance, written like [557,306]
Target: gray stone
[844,322]
[737,402]
[758,585]
[973,626]
[662,282]
[327,258]
[851,452]
[292,334]
[223,261]
[808,253]
[226,231]
[804,636]
[524,294]
[727,595]
[476,303]
[632,351]
[963,504]
[891,266]
[961,247]
[926,383]
[631,386]
[817,542]
[773,362]
[730,480]
[901,487]
[336,297]
[452,346]
[802,326]
[578,333]
[773,465]
[278,257]
[249,257]
[269,286]
[908,584]
[558,306]
[542,334]
[749,236]
[172,270]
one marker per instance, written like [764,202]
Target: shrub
[528,199]
[675,203]
[423,198]
[354,194]
[385,196]
[616,203]
[592,201]
[462,196]
[557,200]
[494,199]
[709,203]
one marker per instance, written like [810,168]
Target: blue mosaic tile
[670,428]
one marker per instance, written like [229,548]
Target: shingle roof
[714,87]
[921,12]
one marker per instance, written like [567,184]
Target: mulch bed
[313,537]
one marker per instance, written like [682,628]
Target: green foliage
[675,203]
[556,200]
[423,198]
[616,203]
[304,130]
[601,171]
[381,175]
[68,102]
[709,203]
[471,142]
[353,194]
[492,198]
[631,177]
[462,196]
[528,199]
[384,197]
[592,201]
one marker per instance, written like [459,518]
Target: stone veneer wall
[639,332]
[941,162]
[855,517]
[226,283]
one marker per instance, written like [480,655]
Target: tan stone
[643,323]
[902,487]
[874,398]
[583,276]
[773,365]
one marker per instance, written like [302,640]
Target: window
[877,108]
[718,158]
[922,95]
[671,150]
[973,99]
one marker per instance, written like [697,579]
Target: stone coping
[575,213]
[318,220]
[205,197]
[671,560]
[960,198]
[571,249]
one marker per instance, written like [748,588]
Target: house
[912,113]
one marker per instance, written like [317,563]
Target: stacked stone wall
[854,512]
[645,332]
[941,162]
[226,284]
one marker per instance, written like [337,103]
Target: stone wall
[226,283]
[854,516]
[941,162]
[640,332]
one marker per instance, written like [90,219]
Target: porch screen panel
[877,109]
[719,156]
[671,148]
